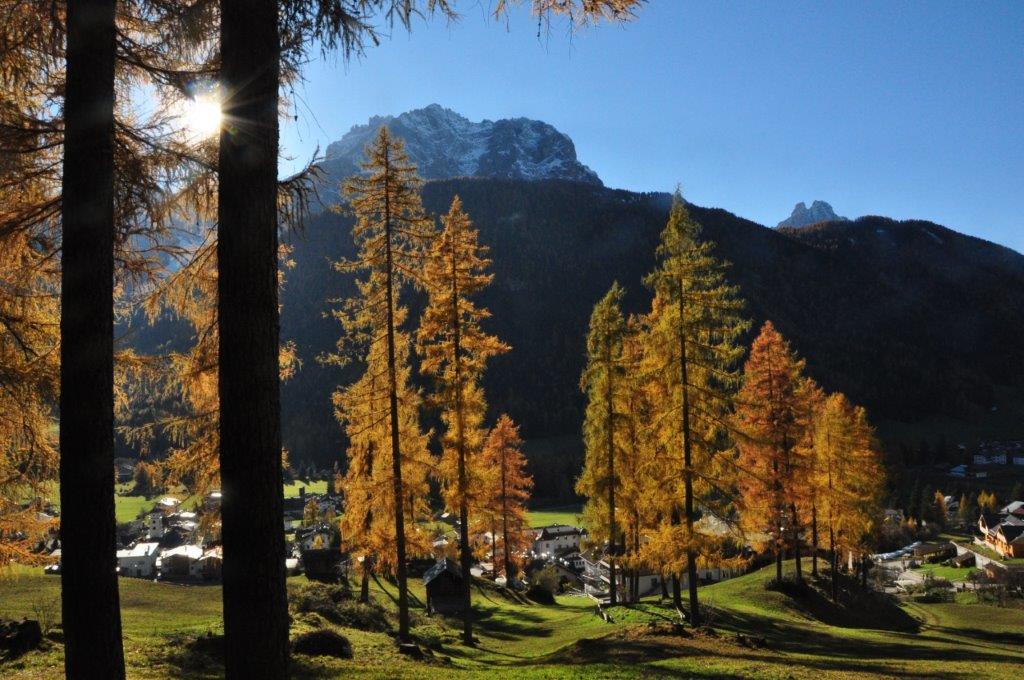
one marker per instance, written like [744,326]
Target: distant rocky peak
[443,143]
[802,216]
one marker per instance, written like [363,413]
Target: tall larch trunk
[610,444]
[776,486]
[401,572]
[691,554]
[677,600]
[504,519]
[255,606]
[814,541]
[465,551]
[364,585]
[833,563]
[494,549]
[796,543]
[368,560]
[90,603]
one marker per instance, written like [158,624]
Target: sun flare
[201,116]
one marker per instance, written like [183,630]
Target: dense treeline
[688,458]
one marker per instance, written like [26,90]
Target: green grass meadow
[562,514]
[165,625]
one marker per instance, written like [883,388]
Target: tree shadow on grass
[840,652]
[413,600]
[993,637]
[801,648]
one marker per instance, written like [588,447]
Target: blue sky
[904,109]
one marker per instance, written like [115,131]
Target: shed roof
[444,565]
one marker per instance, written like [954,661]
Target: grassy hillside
[166,628]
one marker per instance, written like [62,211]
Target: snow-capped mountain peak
[443,143]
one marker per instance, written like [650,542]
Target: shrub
[334,605]
[540,595]
[323,643]
[47,612]
[545,579]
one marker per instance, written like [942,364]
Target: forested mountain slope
[908,318]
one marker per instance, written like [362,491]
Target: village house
[443,582]
[125,468]
[168,504]
[210,566]
[1015,508]
[154,523]
[180,562]
[1004,532]
[138,561]
[1007,540]
[317,537]
[557,539]
[648,583]
[574,561]
[933,552]
[964,559]
[596,577]
[988,521]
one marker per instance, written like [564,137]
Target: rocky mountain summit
[802,216]
[444,144]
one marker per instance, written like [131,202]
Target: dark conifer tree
[91,612]
[255,607]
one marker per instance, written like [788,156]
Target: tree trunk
[677,600]
[255,606]
[610,444]
[465,552]
[504,521]
[691,554]
[636,570]
[796,545]
[814,541]
[832,564]
[364,587]
[401,573]
[90,602]
[494,550]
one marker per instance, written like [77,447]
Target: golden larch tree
[392,234]
[772,413]
[692,350]
[848,476]
[454,351]
[602,381]
[507,495]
